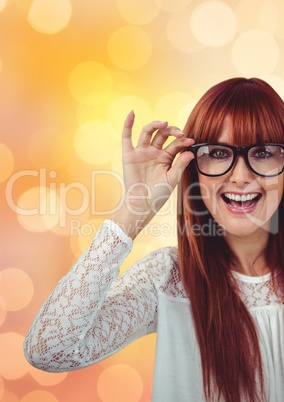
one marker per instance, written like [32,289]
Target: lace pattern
[93,312]
[259,293]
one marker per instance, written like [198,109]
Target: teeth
[237,197]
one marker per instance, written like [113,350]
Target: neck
[249,253]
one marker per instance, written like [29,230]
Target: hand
[150,172]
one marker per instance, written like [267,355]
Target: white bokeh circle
[138,12]
[50,17]
[254,53]
[213,23]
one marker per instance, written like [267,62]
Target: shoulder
[162,268]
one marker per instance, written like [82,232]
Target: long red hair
[227,337]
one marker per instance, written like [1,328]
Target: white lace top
[92,313]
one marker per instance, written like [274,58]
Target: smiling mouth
[242,202]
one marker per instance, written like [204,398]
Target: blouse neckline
[251,279]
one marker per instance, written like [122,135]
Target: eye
[220,153]
[262,153]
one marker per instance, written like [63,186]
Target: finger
[127,132]
[179,166]
[162,136]
[148,130]
[178,145]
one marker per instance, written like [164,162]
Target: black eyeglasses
[216,159]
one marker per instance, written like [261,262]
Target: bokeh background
[70,71]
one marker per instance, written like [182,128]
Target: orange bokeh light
[39,396]
[23,289]
[13,364]
[126,384]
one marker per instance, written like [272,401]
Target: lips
[241,202]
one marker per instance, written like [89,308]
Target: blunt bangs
[255,111]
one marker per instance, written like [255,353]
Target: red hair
[226,334]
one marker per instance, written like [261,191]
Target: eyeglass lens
[217,159]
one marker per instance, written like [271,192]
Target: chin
[245,229]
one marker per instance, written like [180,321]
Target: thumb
[179,166]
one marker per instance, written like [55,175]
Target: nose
[240,173]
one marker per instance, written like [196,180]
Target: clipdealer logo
[52,199]
[52,196]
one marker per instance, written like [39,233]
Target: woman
[217,301]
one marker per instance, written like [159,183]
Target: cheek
[273,188]
[209,190]
[206,191]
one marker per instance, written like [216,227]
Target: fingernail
[179,132]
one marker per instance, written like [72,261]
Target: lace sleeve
[92,312]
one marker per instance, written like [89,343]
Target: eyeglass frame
[237,151]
